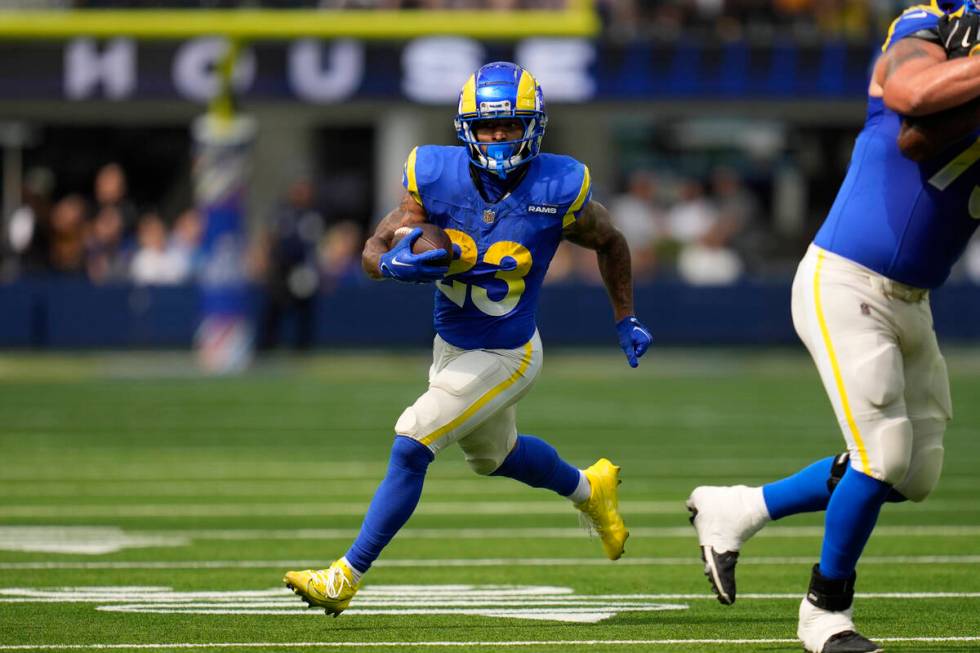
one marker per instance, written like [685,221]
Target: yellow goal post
[576,18]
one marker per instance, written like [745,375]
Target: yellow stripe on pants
[845,403]
[484,400]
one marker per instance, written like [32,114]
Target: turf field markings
[353,508]
[314,509]
[237,488]
[684,532]
[150,598]
[468,644]
[475,562]
[96,540]
[88,540]
[540,603]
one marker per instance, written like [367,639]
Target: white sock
[353,570]
[583,491]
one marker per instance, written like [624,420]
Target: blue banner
[431,70]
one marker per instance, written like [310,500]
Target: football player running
[506,206]
[860,304]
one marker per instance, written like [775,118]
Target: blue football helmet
[501,90]
[956,6]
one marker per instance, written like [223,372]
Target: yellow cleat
[602,508]
[331,588]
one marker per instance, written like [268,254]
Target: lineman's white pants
[875,348]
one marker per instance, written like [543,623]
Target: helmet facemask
[502,157]
[500,91]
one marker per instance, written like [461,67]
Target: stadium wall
[63,314]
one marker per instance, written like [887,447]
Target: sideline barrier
[72,314]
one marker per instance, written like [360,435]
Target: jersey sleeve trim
[918,27]
[410,181]
[583,194]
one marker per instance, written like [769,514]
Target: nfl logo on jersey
[489,215]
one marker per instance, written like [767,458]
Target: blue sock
[851,516]
[393,502]
[806,491]
[536,463]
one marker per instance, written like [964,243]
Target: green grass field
[144,507]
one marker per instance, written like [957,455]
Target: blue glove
[634,338]
[400,264]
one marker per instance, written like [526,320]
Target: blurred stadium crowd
[713,228]
[105,237]
[705,232]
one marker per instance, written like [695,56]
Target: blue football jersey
[489,297]
[905,220]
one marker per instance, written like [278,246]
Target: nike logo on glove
[966,39]
[395,261]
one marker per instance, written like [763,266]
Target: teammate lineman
[861,306]
[506,208]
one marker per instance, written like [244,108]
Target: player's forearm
[371,257]
[923,138]
[617,275]
[935,88]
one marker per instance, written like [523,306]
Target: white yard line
[470,644]
[475,562]
[321,534]
[316,509]
[356,507]
[539,533]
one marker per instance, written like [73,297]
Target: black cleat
[725,518]
[719,568]
[850,642]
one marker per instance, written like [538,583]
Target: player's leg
[726,517]
[852,330]
[929,405]
[466,387]
[496,449]
[394,502]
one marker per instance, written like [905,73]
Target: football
[433,237]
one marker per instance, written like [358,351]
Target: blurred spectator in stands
[28,226]
[340,255]
[741,224]
[292,241]
[692,215]
[156,261]
[66,252]
[640,220]
[185,241]
[106,255]
[110,191]
[705,256]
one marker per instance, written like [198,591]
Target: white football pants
[875,348]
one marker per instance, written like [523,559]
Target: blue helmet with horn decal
[501,90]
